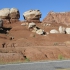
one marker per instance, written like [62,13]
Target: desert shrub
[60,57]
[27,59]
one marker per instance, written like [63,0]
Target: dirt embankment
[21,44]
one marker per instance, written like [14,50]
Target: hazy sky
[44,6]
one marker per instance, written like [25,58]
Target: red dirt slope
[29,45]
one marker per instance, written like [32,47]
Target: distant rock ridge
[58,17]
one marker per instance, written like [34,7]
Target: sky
[45,6]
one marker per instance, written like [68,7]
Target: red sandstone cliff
[60,17]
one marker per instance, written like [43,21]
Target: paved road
[50,65]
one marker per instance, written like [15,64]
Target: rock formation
[53,31]
[4,13]
[1,23]
[60,17]
[14,13]
[31,25]
[68,30]
[61,29]
[40,32]
[32,15]
[9,15]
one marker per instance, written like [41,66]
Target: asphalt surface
[49,65]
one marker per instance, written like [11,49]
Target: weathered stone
[14,20]
[4,13]
[61,29]
[34,29]
[32,15]
[68,30]
[1,23]
[6,21]
[46,24]
[24,24]
[31,25]
[54,31]
[14,13]
[9,15]
[40,32]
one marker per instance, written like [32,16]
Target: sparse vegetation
[18,42]
[27,59]
[60,57]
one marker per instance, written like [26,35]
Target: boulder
[14,13]
[1,23]
[24,24]
[4,13]
[7,13]
[68,30]
[61,29]
[46,24]
[40,32]
[32,15]
[31,25]
[54,31]
[35,29]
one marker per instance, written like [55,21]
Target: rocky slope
[19,41]
[58,17]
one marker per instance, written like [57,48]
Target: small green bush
[27,60]
[60,57]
